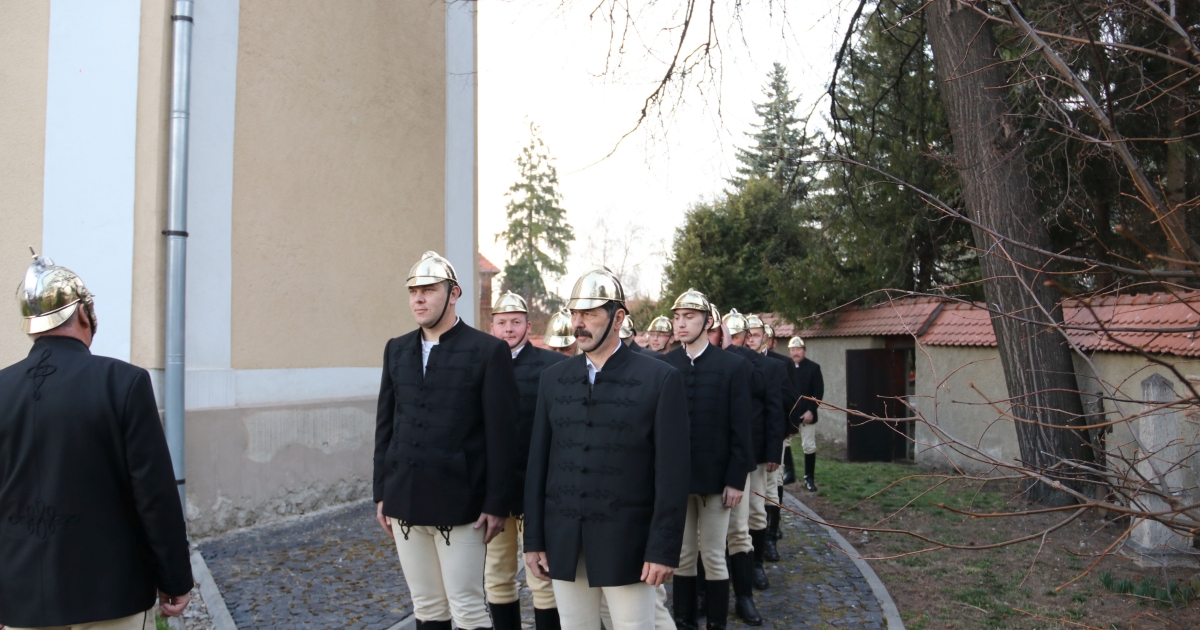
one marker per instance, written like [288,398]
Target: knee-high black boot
[810,465]
[506,616]
[718,604]
[683,593]
[770,551]
[789,466]
[701,590]
[546,619]
[741,574]
[759,538]
[434,625]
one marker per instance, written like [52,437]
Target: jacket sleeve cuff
[662,559]
[735,478]
[495,506]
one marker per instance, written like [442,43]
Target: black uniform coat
[528,367]
[90,521]
[445,439]
[809,383]
[608,468]
[767,421]
[788,392]
[718,397]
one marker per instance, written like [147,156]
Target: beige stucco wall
[150,184]
[247,465]
[339,163]
[830,353]
[954,389]
[24,46]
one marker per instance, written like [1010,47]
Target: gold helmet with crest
[510,303]
[559,332]
[595,289]
[431,269]
[660,324]
[50,295]
[736,322]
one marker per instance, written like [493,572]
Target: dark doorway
[877,382]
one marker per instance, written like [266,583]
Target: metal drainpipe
[176,233]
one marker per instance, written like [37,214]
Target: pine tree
[538,236]
[778,143]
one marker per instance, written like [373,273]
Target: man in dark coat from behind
[91,525]
[761,337]
[810,385]
[607,483]
[510,322]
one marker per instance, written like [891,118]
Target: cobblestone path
[338,570]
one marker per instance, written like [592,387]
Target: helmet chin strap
[445,305]
[612,316]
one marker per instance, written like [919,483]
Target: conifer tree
[778,141]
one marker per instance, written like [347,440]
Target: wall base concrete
[254,464]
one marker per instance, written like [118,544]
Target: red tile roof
[961,324]
[904,316]
[486,266]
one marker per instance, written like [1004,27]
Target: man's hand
[173,606]
[384,521]
[807,417]
[772,467]
[495,525]
[731,498]
[536,563]
[655,574]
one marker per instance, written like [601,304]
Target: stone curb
[890,612]
[217,611]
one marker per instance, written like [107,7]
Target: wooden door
[873,390]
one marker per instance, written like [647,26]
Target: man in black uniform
[659,334]
[628,334]
[607,484]
[445,439]
[760,336]
[768,437]
[718,395]
[810,385]
[510,322]
[91,526]
[560,335]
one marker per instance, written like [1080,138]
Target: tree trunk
[1176,167]
[999,194]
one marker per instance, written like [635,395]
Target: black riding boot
[718,604]
[433,625]
[506,616]
[546,619]
[770,552]
[759,538]
[684,596]
[810,465]
[789,466]
[701,590]
[741,574]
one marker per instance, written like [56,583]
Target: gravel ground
[337,570]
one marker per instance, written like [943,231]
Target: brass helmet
[560,333]
[795,342]
[431,269]
[627,329]
[768,330]
[716,316]
[736,322]
[50,296]
[754,321]
[660,324]
[692,299]
[595,289]
[510,303]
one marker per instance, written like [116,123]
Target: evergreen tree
[538,236]
[778,141]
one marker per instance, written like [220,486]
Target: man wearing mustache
[445,436]
[510,322]
[607,484]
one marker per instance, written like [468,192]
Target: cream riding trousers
[632,606]
[738,539]
[758,507]
[504,560]
[704,534]
[662,618]
[140,621]
[444,570]
[808,438]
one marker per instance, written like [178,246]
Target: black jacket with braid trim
[767,423]
[528,366]
[788,395]
[445,439]
[608,468]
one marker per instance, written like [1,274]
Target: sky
[547,63]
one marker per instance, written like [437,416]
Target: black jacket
[528,367]
[90,521]
[788,393]
[608,468]
[718,398]
[445,439]
[809,382]
[767,421]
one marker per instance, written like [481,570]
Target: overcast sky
[543,62]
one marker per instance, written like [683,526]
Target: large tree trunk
[999,194]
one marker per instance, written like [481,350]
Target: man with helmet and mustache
[510,322]
[607,483]
[718,385]
[91,519]
[445,438]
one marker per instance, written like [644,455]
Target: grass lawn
[992,588]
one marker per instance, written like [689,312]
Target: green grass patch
[160,623]
[1168,594]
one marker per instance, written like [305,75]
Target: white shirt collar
[592,369]
[519,349]
[693,358]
